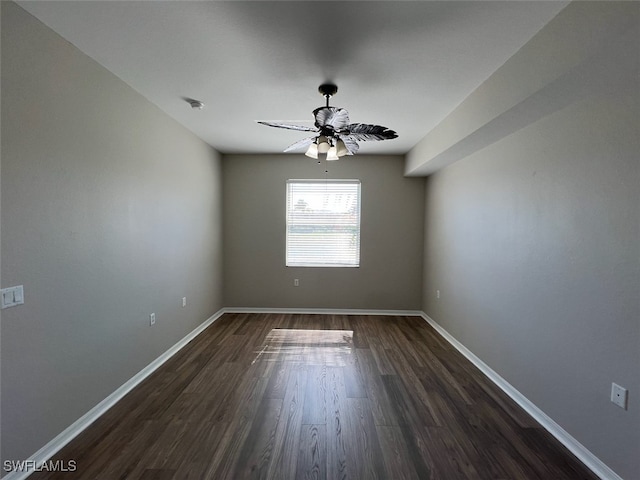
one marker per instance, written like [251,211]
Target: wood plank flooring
[269,396]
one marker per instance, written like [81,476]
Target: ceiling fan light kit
[335,136]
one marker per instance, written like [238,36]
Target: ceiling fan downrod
[327,90]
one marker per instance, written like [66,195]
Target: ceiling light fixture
[195,104]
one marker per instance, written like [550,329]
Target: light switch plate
[12,296]
[18,295]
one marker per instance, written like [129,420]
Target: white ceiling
[404,65]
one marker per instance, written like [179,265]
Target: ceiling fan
[334,135]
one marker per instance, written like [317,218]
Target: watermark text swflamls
[33,466]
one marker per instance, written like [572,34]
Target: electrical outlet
[619,395]
[296,282]
[437,293]
[152,319]
[184,301]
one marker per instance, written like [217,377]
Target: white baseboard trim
[51,448]
[580,451]
[324,311]
[574,446]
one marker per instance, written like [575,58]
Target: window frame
[317,263]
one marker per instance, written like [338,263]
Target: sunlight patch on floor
[307,347]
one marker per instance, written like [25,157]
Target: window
[323,223]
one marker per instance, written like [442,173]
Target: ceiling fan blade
[304,143]
[288,126]
[350,143]
[364,131]
[336,118]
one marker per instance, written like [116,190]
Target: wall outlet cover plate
[619,395]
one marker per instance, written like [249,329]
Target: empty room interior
[332,240]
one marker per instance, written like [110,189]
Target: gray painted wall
[110,211]
[392,218]
[534,241]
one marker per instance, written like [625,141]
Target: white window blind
[323,223]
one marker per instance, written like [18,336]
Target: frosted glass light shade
[341,148]
[332,154]
[323,144]
[312,151]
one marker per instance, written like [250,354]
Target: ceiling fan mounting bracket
[328,89]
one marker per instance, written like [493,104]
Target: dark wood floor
[391,400]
